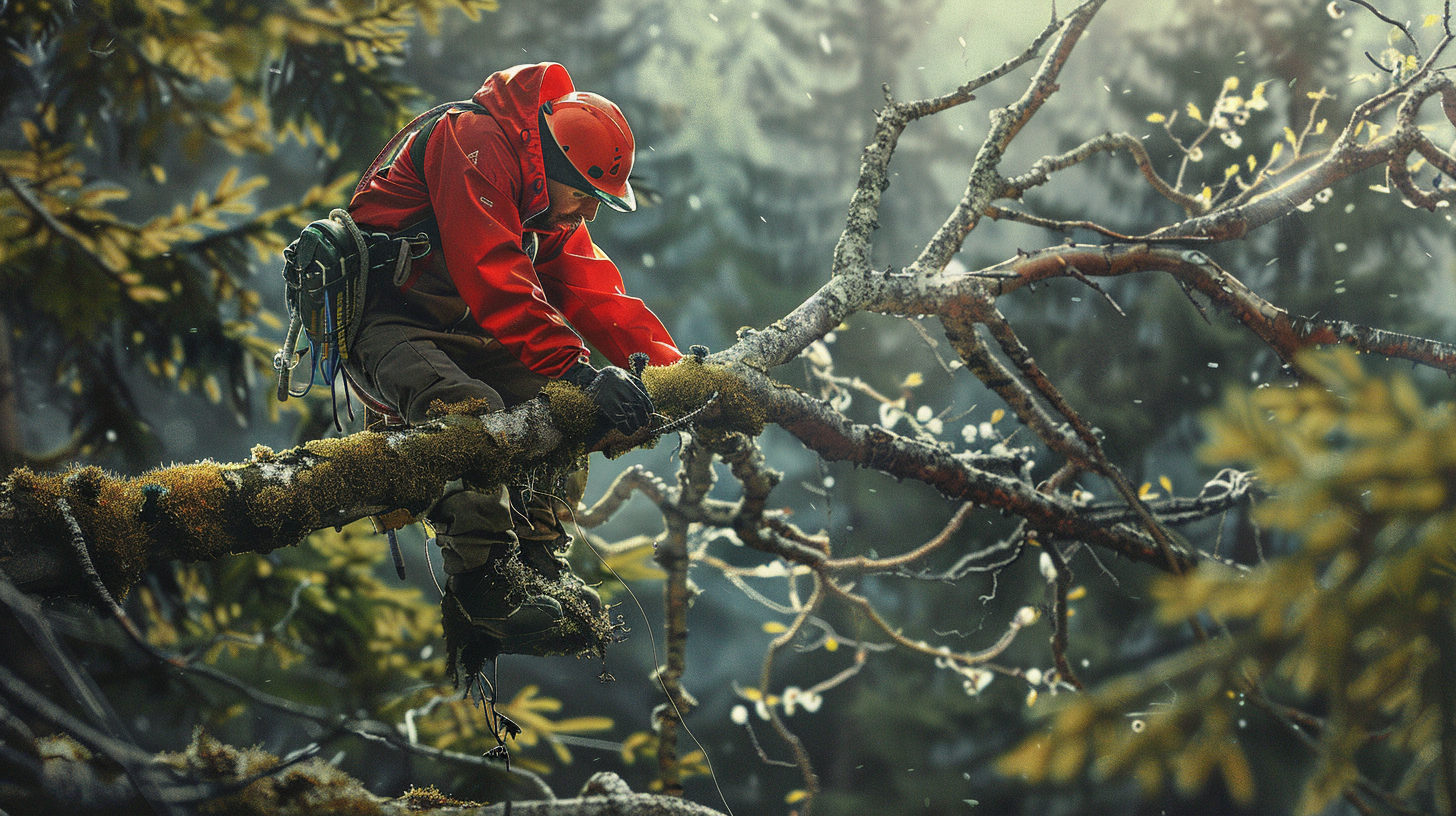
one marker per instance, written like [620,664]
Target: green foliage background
[1357,619]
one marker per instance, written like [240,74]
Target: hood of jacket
[514,97]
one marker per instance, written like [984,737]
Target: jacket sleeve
[480,232]
[587,288]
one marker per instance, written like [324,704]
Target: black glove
[618,395]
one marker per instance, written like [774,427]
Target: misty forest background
[750,119]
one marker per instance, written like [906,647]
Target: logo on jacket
[474,154]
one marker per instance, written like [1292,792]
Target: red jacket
[483,179]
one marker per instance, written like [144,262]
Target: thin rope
[652,640]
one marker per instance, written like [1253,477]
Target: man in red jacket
[496,308]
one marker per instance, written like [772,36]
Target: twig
[762,754]
[1188,293]
[1091,284]
[145,777]
[964,658]
[1005,552]
[1057,587]
[852,251]
[1383,18]
[848,568]
[1001,214]
[796,745]
[633,479]
[1296,722]
[932,343]
[115,742]
[984,183]
[1041,172]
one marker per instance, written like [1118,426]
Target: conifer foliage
[114,251]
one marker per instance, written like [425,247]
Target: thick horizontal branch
[207,509]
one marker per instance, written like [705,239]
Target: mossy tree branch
[205,510]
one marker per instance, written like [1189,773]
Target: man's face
[569,206]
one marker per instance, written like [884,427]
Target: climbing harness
[326,273]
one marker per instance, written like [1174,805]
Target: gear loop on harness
[411,249]
[326,270]
[355,310]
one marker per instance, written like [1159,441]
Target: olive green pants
[474,528]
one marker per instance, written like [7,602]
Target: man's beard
[564,223]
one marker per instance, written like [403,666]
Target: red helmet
[593,136]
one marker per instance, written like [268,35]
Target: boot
[507,608]
[506,595]
[543,544]
[482,597]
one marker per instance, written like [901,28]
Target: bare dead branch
[1021,620]
[985,180]
[695,479]
[846,569]
[1057,588]
[1285,334]
[633,479]
[109,737]
[989,559]
[852,251]
[1002,214]
[1385,19]
[1096,460]
[796,745]
[979,360]
[1041,172]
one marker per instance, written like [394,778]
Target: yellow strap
[393,520]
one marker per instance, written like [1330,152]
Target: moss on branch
[206,510]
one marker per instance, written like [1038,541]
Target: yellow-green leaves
[1359,473]
[191,222]
[1133,727]
[462,725]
